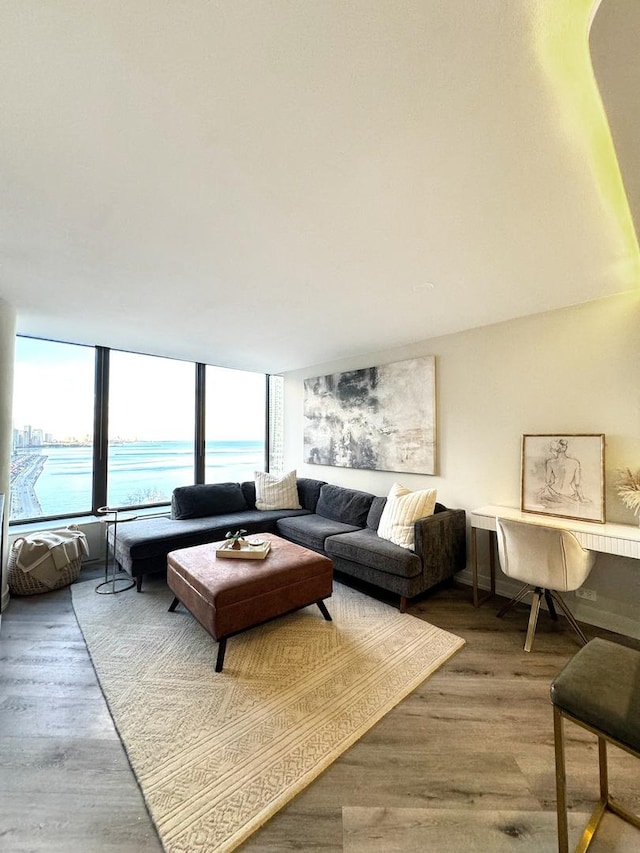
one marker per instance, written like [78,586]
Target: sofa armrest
[441,543]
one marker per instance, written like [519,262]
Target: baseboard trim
[598,616]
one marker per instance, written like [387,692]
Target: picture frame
[562,475]
[379,418]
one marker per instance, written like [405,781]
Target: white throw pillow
[273,492]
[402,509]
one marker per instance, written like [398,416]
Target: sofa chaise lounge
[335,521]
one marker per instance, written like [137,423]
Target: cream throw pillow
[402,509]
[273,492]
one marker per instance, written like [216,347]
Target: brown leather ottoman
[228,596]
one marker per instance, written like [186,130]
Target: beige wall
[576,370]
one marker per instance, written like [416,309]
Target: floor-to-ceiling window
[95,426]
[52,449]
[151,428]
[235,424]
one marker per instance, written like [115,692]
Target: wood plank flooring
[464,763]
[65,782]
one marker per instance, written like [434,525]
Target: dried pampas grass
[629,489]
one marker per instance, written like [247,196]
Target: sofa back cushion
[207,499]
[347,505]
[309,492]
[249,492]
[377,506]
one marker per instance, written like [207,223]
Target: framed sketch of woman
[563,475]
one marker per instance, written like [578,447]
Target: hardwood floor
[65,782]
[464,763]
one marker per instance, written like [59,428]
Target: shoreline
[141,472]
[25,470]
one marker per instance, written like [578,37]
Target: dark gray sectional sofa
[339,522]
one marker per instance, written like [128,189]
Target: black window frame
[101,435]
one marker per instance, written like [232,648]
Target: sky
[150,398]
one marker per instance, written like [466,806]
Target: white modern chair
[548,560]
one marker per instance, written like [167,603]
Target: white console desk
[620,539]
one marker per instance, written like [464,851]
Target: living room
[528,296]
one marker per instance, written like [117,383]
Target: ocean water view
[57,480]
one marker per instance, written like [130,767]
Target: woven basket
[22,583]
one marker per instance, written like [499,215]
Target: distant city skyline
[30,436]
[35,436]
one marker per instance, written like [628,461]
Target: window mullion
[100,429]
[200,449]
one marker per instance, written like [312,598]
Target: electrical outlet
[589,594]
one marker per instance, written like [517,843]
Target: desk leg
[474,564]
[492,561]
[477,600]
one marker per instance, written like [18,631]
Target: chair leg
[560,602]
[552,610]
[533,619]
[604,804]
[601,806]
[604,771]
[561,782]
[521,594]
[606,801]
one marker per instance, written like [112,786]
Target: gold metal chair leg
[561,782]
[587,836]
[604,804]
[533,619]
[601,805]
[604,770]
[625,814]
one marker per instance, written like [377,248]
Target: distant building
[30,436]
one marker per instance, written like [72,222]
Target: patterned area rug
[216,755]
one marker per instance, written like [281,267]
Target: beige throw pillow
[402,509]
[273,492]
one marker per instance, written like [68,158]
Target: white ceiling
[272,184]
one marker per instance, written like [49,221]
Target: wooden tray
[247,552]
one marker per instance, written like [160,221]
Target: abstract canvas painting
[379,418]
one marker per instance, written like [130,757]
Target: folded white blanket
[46,554]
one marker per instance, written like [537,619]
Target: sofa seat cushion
[155,537]
[368,549]
[346,505]
[311,530]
